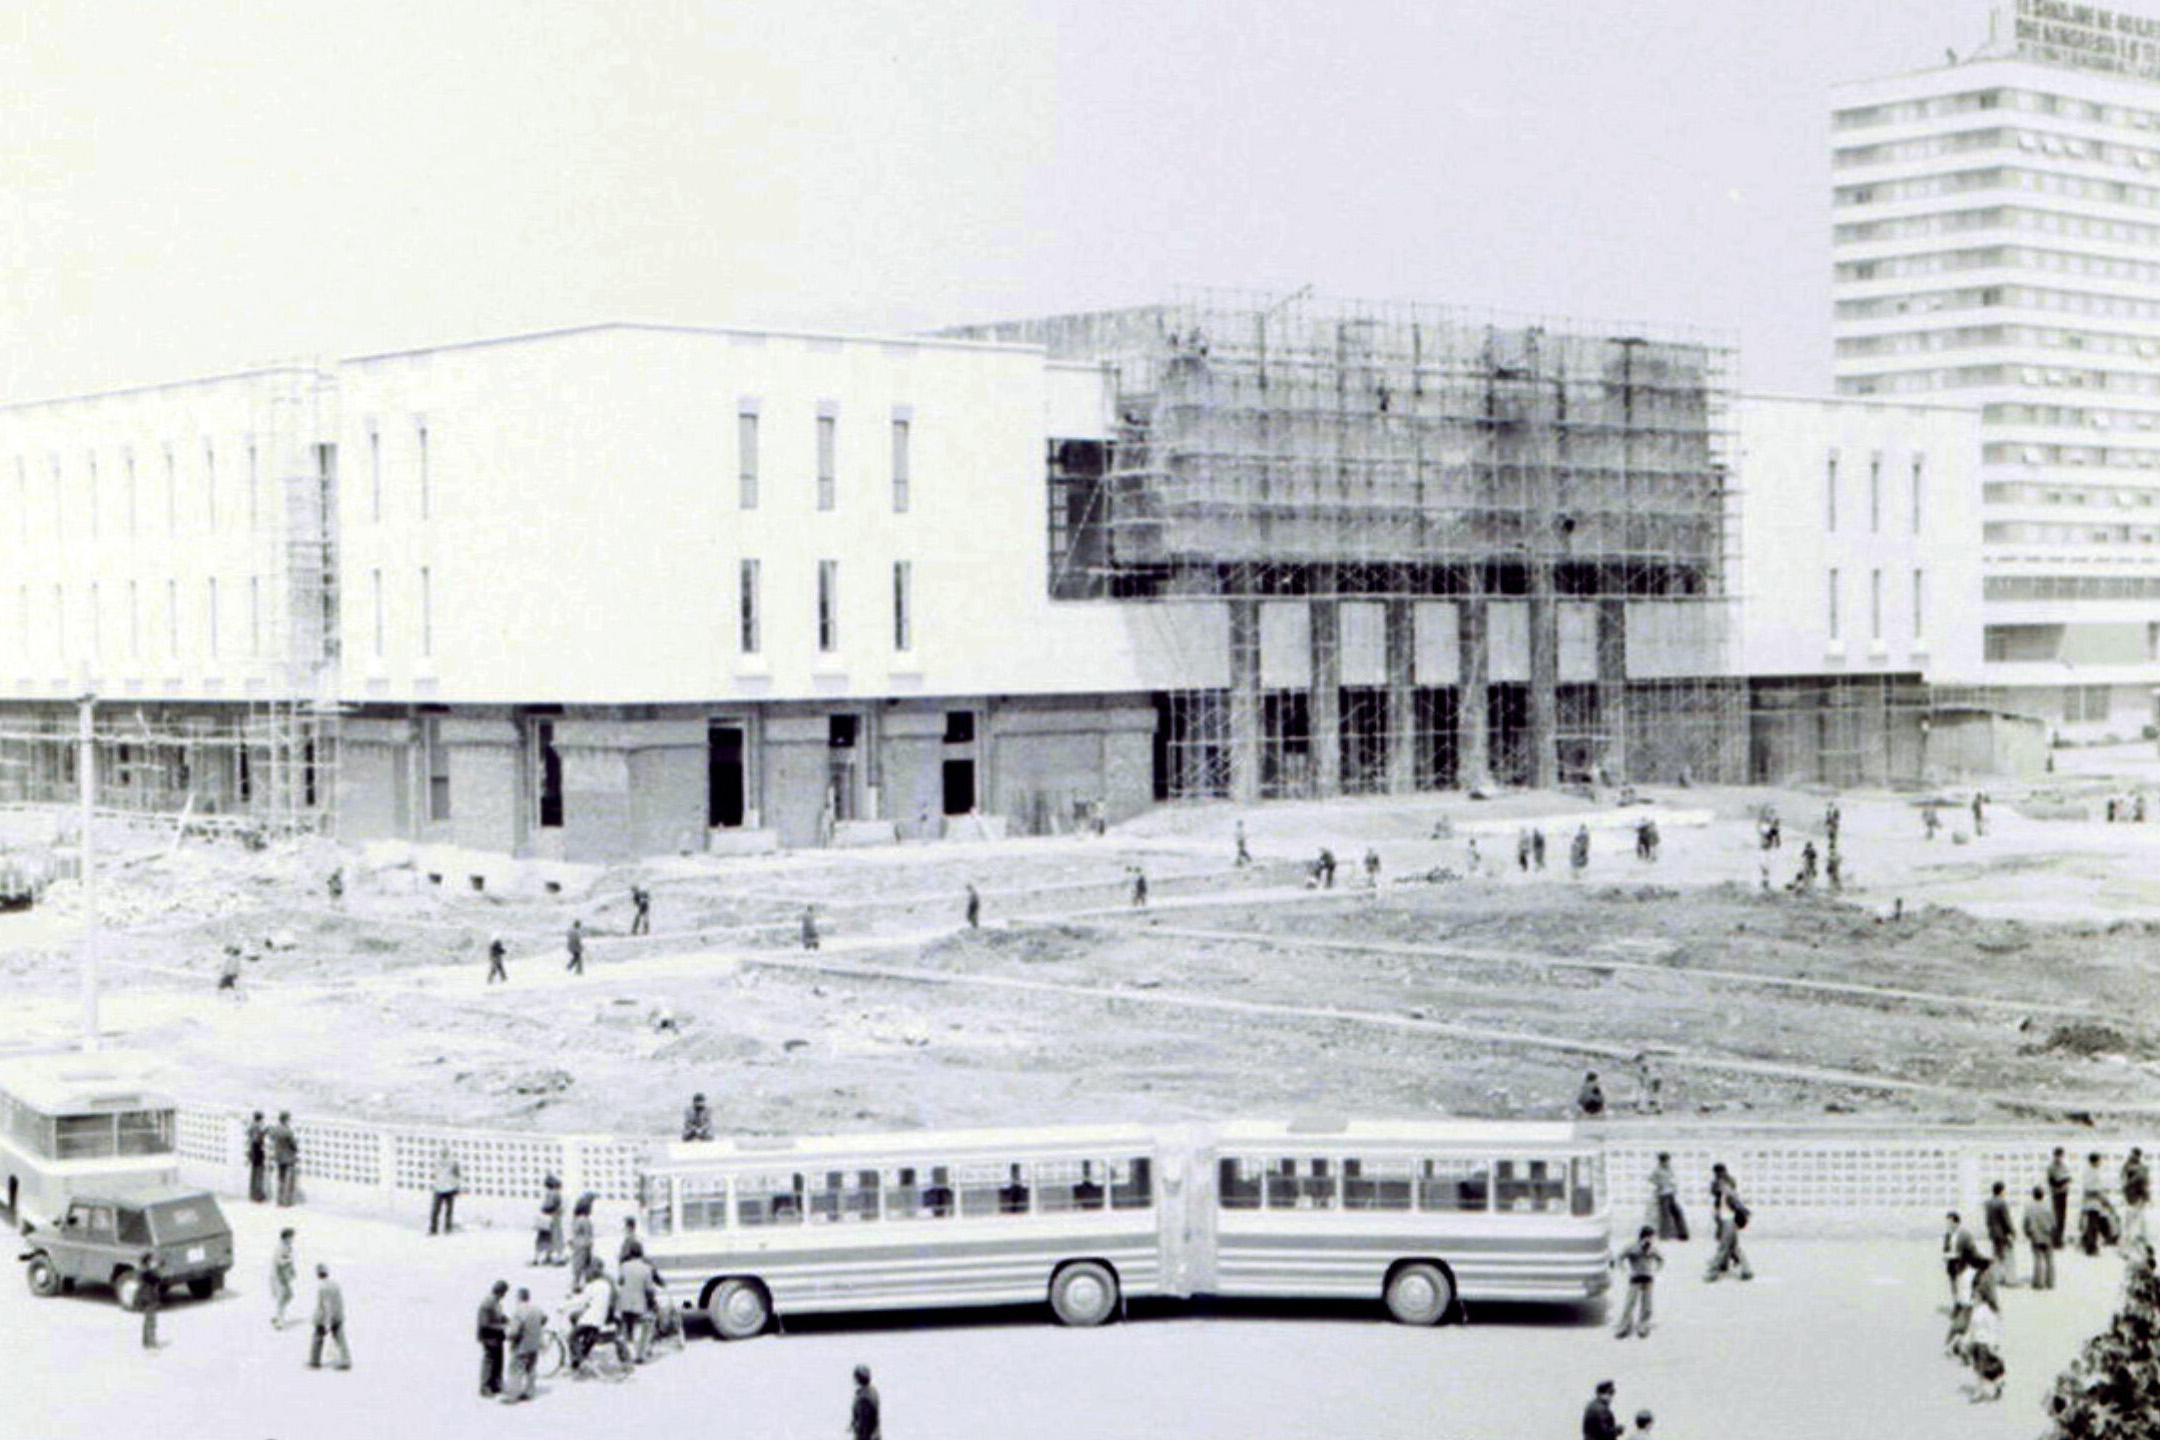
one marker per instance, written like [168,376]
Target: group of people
[273,1156]
[627,1310]
[2126,809]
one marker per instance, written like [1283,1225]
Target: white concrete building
[1995,224]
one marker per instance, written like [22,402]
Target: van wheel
[739,1309]
[1083,1293]
[202,1287]
[128,1286]
[1420,1294]
[43,1278]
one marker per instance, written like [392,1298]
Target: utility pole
[86,786]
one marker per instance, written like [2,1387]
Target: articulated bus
[1415,1215]
[73,1123]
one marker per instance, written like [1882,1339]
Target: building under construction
[1449,551]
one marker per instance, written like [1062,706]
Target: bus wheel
[1419,1294]
[1083,1293]
[43,1278]
[128,1287]
[739,1309]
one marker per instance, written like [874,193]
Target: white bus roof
[70,1081]
[1018,1140]
[1329,1131]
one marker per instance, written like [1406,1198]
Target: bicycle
[608,1359]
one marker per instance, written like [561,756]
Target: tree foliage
[2112,1390]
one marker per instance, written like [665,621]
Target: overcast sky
[192,187]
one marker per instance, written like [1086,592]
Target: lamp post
[86,788]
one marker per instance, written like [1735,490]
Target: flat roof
[66,1081]
[660,327]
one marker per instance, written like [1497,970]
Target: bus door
[1188,1216]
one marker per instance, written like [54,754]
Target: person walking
[1670,1220]
[1139,888]
[285,1156]
[641,907]
[1590,1098]
[329,1321]
[1962,1263]
[1979,809]
[635,1299]
[2058,1184]
[809,927]
[697,1121]
[1327,868]
[335,885]
[1579,851]
[864,1417]
[1730,1216]
[493,1328]
[581,1236]
[258,1158]
[547,1224]
[449,1179]
[283,1268]
[528,1332]
[2096,1219]
[974,907]
[2001,1233]
[1522,851]
[149,1297]
[574,942]
[1830,822]
[1372,868]
[631,1244]
[2136,1194]
[497,951]
[1642,1262]
[228,980]
[2041,1237]
[1983,1346]
[1244,855]
[1598,1420]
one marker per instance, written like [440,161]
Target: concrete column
[1244,700]
[1544,678]
[1473,759]
[1401,697]
[1612,686]
[1324,700]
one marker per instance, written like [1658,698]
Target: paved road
[1832,1339]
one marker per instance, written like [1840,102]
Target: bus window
[1531,1185]
[938,1195]
[1453,1182]
[825,1205]
[1132,1183]
[862,1200]
[704,1202]
[1065,1185]
[981,1190]
[655,1193]
[1589,1180]
[1237,1183]
[905,1197]
[146,1132]
[83,1137]
[1316,1189]
[1013,1198]
[1088,1194]
[1282,1186]
[775,1199]
[1376,1184]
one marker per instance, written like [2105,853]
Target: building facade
[1995,223]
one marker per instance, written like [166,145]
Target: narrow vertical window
[427,610]
[903,620]
[828,490]
[1917,487]
[747,606]
[374,460]
[1919,606]
[1830,497]
[1874,494]
[438,768]
[209,484]
[421,462]
[746,457]
[1875,604]
[828,606]
[210,615]
[255,615]
[1833,603]
[375,587]
[900,475]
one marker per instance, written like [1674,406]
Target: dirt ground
[1484,992]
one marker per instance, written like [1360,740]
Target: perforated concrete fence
[1798,1180]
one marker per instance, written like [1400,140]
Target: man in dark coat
[574,942]
[258,1158]
[2058,1184]
[863,1420]
[2001,1231]
[493,1329]
[2040,1235]
[285,1155]
[528,1331]
[1598,1420]
[149,1298]
[329,1321]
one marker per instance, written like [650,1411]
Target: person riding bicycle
[588,1313]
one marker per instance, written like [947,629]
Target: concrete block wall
[484,801]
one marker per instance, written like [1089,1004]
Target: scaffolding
[262,761]
[1453,550]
